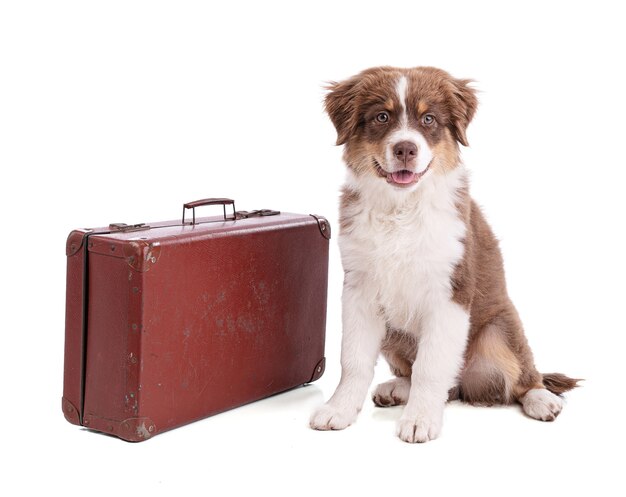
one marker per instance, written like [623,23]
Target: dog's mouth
[402,178]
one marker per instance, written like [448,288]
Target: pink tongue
[403,177]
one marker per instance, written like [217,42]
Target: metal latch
[258,213]
[123,227]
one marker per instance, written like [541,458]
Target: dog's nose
[405,151]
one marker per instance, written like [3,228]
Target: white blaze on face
[401,87]
[407,133]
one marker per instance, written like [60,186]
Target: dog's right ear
[341,107]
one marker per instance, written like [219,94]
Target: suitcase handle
[209,201]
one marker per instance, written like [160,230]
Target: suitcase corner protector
[323,225]
[319,370]
[142,255]
[74,242]
[70,412]
[136,429]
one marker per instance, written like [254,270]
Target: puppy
[424,282]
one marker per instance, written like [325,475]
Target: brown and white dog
[424,282]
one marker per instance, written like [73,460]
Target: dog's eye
[428,119]
[382,117]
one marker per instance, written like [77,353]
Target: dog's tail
[559,383]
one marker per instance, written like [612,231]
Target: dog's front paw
[329,417]
[419,429]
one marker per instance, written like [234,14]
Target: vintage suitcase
[171,322]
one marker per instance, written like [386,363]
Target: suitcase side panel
[231,320]
[74,317]
[114,313]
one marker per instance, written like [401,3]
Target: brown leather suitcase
[172,322]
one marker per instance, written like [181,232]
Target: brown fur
[399,349]
[499,366]
[559,383]
[348,197]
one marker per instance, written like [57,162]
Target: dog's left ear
[464,104]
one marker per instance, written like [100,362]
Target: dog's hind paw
[542,404]
[392,393]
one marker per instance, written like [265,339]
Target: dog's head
[399,125]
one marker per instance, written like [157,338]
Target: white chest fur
[407,246]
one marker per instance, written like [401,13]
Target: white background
[121,111]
